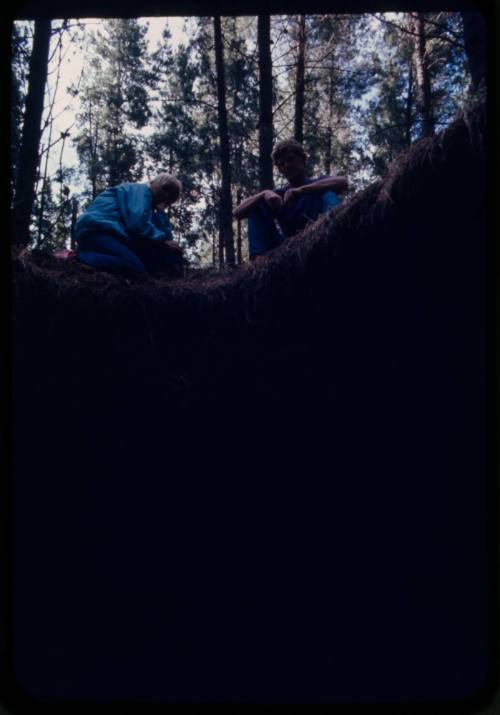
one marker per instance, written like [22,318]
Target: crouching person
[274,216]
[125,229]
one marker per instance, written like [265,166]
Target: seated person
[126,228]
[276,215]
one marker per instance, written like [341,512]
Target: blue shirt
[125,212]
[304,211]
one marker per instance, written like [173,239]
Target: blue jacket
[125,212]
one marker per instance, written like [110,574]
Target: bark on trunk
[226,209]
[265,102]
[239,259]
[299,81]
[408,120]
[28,156]
[329,138]
[475,47]
[423,78]
[74,216]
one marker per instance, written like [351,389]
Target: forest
[99,102]
[267,481]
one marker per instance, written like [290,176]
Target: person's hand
[273,201]
[174,246]
[291,197]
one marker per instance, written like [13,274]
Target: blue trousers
[264,232]
[137,258]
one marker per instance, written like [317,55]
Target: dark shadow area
[264,484]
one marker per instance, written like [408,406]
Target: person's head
[289,158]
[165,188]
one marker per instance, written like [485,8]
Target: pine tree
[243,114]
[265,102]
[423,76]
[334,80]
[115,101]
[474,30]
[19,73]
[174,143]
[391,116]
[300,38]
[225,209]
[402,107]
[27,166]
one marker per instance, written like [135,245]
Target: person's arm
[339,184]
[272,200]
[162,221]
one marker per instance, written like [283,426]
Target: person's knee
[133,264]
[260,212]
[330,200]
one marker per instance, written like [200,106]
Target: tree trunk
[265,102]
[226,209]
[239,260]
[214,251]
[299,81]
[74,216]
[408,121]
[328,151]
[42,193]
[423,78]
[95,161]
[475,47]
[28,156]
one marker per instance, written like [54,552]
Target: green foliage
[115,101]
[143,111]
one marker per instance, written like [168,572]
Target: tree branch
[415,34]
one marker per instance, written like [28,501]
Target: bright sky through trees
[65,106]
[123,100]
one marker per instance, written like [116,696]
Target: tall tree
[115,102]
[299,79]
[475,47]
[423,76]
[44,203]
[243,110]
[335,80]
[19,71]
[392,114]
[265,102]
[28,154]
[409,105]
[225,209]
[175,144]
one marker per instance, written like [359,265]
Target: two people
[126,227]
[274,216]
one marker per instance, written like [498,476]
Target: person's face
[291,165]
